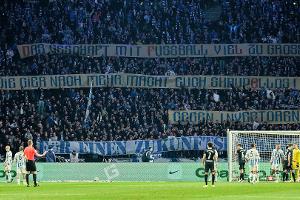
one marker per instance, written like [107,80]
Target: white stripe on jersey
[252,156]
[20,159]
[277,156]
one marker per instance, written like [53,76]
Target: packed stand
[239,66]
[127,114]
[149,22]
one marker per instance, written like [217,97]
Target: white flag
[87,112]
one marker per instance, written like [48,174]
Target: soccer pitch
[152,191]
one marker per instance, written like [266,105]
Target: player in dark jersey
[240,152]
[287,163]
[208,160]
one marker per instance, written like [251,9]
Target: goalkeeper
[296,161]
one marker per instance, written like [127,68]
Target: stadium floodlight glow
[265,143]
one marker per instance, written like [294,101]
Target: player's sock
[205,178]
[243,176]
[257,177]
[9,176]
[277,176]
[24,180]
[213,177]
[253,177]
[286,176]
[27,179]
[18,181]
[250,177]
[34,179]
[283,176]
[294,176]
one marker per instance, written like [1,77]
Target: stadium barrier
[131,172]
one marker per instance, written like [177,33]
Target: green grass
[151,191]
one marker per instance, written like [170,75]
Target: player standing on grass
[216,164]
[276,161]
[8,164]
[252,157]
[21,168]
[296,161]
[208,160]
[240,152]
[287,163]
[29,153]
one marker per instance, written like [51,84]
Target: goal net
[265,143]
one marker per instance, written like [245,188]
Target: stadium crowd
[129,114]
[238,66]
[149,22]
[124,113]
[139,22]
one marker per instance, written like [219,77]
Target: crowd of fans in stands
[128,114]
[149,22]
[239,66]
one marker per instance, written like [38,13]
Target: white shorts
[253,164]
[7,167]
[275,166]
[21,170]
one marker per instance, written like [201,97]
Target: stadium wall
[129,172]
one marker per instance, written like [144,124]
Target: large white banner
[145,81]
[162,50]
[247,116]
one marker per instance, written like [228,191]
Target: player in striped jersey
[276,161]
[21,167]
[252,157]
[8,164]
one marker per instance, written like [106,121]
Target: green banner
[132,171]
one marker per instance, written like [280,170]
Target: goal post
[265,143]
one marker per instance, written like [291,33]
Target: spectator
[50,155]
[74,157]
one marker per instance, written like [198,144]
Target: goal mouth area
[265,141]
